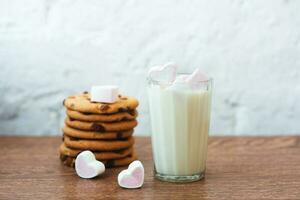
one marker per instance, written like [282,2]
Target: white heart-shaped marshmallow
[87,166]
[104,94]
[133,177]
[165,73]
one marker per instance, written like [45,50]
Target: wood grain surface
[237,168]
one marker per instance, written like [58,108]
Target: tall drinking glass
[180,118]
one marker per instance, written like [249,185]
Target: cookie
[83,104]
[105,155]
[96,135]
[88,117]
[101,126]
[70,161]
[98,145]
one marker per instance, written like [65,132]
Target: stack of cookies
[104,128]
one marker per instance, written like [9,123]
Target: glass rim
[157,82]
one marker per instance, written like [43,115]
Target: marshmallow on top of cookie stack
[101,121]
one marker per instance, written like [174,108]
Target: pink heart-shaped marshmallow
[87,166]
[196,76]
[164,74]
[133,177]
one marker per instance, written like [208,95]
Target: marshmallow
[180,83]
[164,74]
[193,81]
[181,79]
[133,177]
[196,76]
[104,94]
[87,166]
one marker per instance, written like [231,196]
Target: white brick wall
[53,48]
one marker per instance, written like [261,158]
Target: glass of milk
[180,117]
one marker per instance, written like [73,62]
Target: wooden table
[237,168]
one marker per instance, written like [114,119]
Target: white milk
[180,122]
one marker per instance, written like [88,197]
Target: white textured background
[50,49]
